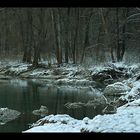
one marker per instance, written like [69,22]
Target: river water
[27,95]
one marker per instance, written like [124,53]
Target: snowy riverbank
[70,74]
[125,120]
[117,79]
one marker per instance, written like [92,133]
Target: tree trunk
[123,36]
[86,41]
[67,36]
[56,18]
[75,36]
[28,40]
[107,35]
[41,37]
[123,43]
[118,36]
[6,33]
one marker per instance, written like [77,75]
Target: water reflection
[26,96]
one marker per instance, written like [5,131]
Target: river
[28,95]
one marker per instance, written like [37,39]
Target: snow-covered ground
[57,123]
[125,120]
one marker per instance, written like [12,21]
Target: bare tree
[57,29]
[41,37]
[86,41]
[28,40]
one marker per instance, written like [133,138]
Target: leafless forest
[70,35]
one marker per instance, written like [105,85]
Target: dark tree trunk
[28,40]
[118,36]
[123,44]
[36,56]
[59,38]
[123,35]
[56,18]
[86,42]
[75,37]
[67,36]
[41,38]
[22,35]
[112,55]
[6,33]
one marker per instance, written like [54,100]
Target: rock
[117,88]
[110,74]
[7,115]
[137,76]
[43,111]
[109,109]
[74,105]
[97,102]
[120,102]
[5,77]
[75,82]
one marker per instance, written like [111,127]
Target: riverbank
[111,79]
[125,120]
[69,74]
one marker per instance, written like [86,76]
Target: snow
[58,127]
[40,72]
[134,92]
[117,88]
[96,69]
[131,69]
[19,68]
[134,68]
[136,87]
[119,64]
[57,123]
[125,120]
[3,109]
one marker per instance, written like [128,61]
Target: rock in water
[109,109]
[117,88]
[74,105]
[7,115]
[43,111]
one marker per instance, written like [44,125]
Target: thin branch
[137,14]
[93,46]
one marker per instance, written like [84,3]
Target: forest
[70,35]
[72,69]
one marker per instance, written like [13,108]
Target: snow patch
[117,88]
[57,123]
[125,120]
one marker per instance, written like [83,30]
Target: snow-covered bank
[70,74]
[121,80]
[57,123]
[125,120]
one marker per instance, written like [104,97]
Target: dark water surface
[26,96]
